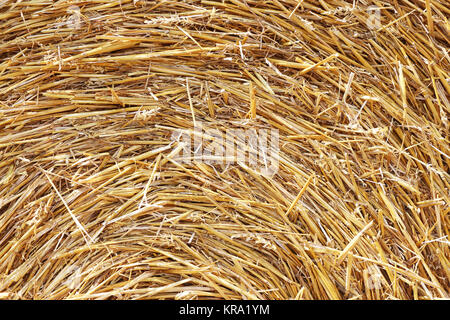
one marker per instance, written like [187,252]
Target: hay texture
[96,201]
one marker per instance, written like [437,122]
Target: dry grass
[95,205]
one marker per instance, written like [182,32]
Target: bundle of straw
[97,198]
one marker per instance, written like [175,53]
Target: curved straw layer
[95,202]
